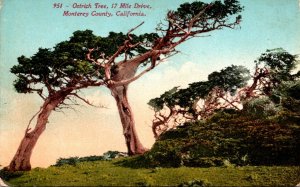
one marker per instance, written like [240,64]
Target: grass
[108,173]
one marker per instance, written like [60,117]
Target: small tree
[227,89]
[56,76]
[199,100]
[271,69]
[121,56]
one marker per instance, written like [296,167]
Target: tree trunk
[133,143]
[21,160]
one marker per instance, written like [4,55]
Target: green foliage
[218,10]
[21,85]
[279,65]
[6,175]
[228,79]
[293,91]
[284,101]
[84,37]
[75,160]
[165,98]
[280,62]
[113,154]
[287,95]
[66,65]
[260,107]
[63,66]
[110,44]
[196,183]
[261,134]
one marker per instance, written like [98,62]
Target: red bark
[21,160]
[133,143]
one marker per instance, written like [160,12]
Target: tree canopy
[228,79]
[228,88]
[275,66]
[184,103]
[66,65]
[61,68]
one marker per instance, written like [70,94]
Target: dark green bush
[227,138]
[67,161]
[260,108]
[6,175]
[74,160]
[195,183]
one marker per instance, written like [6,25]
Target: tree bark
[21,160]
[134,146]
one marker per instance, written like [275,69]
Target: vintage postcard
[149,92]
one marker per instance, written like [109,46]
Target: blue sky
[27,25]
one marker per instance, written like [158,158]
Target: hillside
[111,173]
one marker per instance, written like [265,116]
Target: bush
[222,141]
[67,161]
[195,183]
[74,160]
[6,175]
[113,154]
[260,107]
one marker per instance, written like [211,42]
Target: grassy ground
[107,173]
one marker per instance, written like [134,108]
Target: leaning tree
[56,75]
[199,100]
[126,57]
[227,88]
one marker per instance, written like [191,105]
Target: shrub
[67,161]
[260,107]
[233,140]
[196,183]
[6,175]
[74,160]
